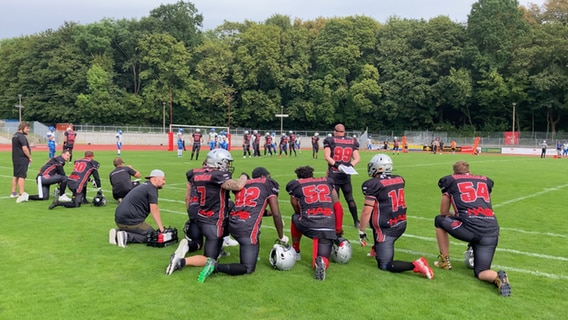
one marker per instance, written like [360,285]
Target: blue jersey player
[51,141]
[118,141]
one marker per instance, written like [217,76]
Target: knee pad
[438,221]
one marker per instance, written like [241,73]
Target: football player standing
[342,150]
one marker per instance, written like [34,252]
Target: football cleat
[444,262]
[502,283]
[176,257]
[229,242]
[208,270]
[64,198]
[421,266]
[468,257]
[320,269]
[14,195]
[54,203]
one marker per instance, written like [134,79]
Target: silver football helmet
[379,164]
[219,159]
[282,257]
[342,252]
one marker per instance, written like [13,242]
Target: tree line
[433,74]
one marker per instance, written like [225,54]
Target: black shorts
[21,168]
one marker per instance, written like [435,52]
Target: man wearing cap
[342,150]
[120,179]
[131,213]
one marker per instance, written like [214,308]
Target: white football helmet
[220,159]
[380,163]
[290,132]
[254,131]
[342,252]
[282,257]
[246,132]
[316,134]
[197,130]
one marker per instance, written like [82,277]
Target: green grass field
[57,264]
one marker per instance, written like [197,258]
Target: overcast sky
[24,17]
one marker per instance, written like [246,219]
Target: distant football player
[268,144]
[283,145]
[315,145]
[118,142]
[69,140]
[292,142]
[385,212]
[246,144]
[473,222]
[197,138]
[180,143]
[51,145]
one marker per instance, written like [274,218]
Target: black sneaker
[356,224]
[54,203]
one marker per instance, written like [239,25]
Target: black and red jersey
[197,136]
[250,203]
[246,138]
[52,167]
[470,198]
[315,140]
[82,170]
[316,203]
[213,200]
[389,210]
[283,140]
[268,140]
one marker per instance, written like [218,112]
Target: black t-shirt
[135,207]
[52,167]
[19,140]
[120,179]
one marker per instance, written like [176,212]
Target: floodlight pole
[164,116]
[281,116]
[19,106]
[514,105]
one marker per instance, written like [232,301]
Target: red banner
[511,138]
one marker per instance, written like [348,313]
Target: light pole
[514,140]
[164,116]
[19,106]
[281,116]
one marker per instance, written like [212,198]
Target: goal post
[207,132]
